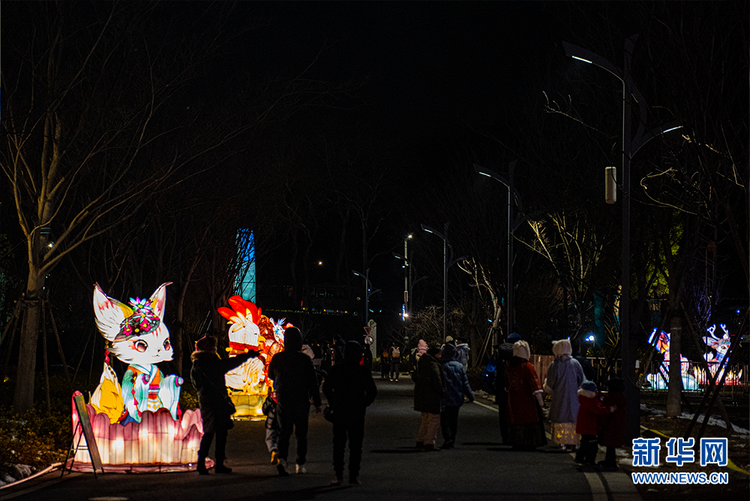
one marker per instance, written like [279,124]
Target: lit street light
[447,263]
[368,292]
[513,223]
[631,143]
[407,277]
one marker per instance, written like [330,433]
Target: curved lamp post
[631,143]
[513,222]
[447,263]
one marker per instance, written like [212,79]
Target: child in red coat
[612,429]
[590,408]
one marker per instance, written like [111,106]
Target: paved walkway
[392,469]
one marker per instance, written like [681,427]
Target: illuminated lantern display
[660,380]
[250,330]
[691,379]
[719,348]
[137,423]
[158,443]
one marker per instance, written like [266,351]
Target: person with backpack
[395,356]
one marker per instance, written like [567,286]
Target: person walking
[504,355]
[564,377]
[207,375]
[272,426]
[586,425]
[385,364]
[394,353]
[350,389]
[456,387]
[295,381]
[428,393]
[462,352]
[524,400]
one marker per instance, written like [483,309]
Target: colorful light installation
[137,422]
[137,336]
[157,443]
[660,380]
[692,378]
[250,330]
[719,348]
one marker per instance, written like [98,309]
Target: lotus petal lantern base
[158,443]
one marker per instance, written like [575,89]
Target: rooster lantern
[250,330]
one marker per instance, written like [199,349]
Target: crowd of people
[580,419]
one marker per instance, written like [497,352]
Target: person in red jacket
[589,408]
[612,426]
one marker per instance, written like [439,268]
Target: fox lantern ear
[109,313]
[158,299]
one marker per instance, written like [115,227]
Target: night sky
[439,85]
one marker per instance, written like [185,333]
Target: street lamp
[447,263]
[631,143]
[512,225]
[409,292]
[407,276]
[368,292]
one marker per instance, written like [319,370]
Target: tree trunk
[177,338]
[674,394]
[23,397]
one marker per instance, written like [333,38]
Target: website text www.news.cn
[713,451]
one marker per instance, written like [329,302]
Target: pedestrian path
[604,485]
[479,468]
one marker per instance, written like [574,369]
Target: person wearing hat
[504,355]
[564,377]
[207,375]
[456,387]
[428,394]
[525,416]
[589,408]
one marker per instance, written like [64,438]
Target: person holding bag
[207,375]
[564,377]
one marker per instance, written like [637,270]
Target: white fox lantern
[137,336]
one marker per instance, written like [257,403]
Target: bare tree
[99,117]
